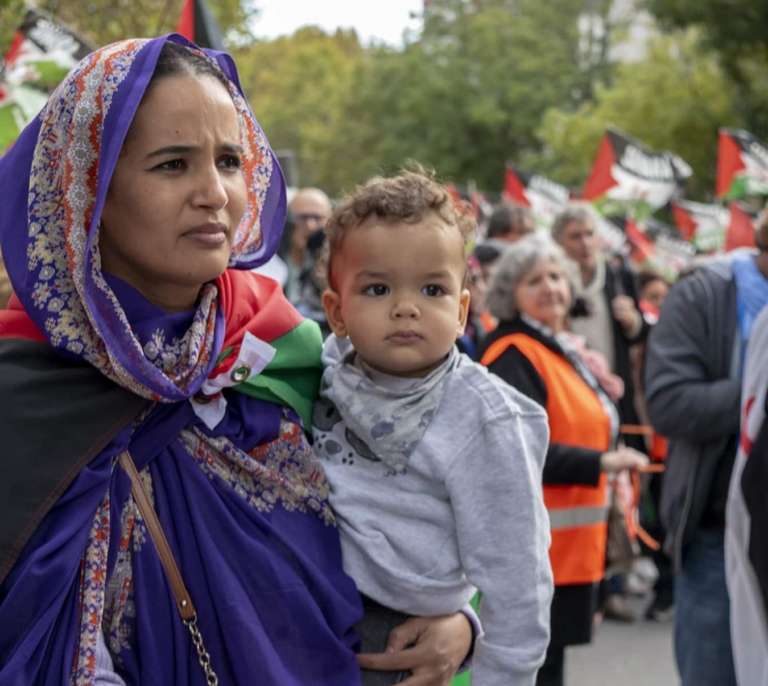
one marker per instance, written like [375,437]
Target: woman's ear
[332,306]
[463,313]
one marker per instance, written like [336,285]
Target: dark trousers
[374,630]
[552,672]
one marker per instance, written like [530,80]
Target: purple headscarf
[243,504]
[54,182]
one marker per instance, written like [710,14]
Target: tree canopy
[484,82]
[106,21]
[675,100]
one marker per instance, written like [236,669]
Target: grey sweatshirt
[467,512]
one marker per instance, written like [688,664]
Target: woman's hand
[433,648]
[621,459]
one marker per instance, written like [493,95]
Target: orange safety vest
[578,514]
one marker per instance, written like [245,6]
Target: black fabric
[565,464]
[374,629]
[713,517]
[573,613]
[55,416]
[552,672]
[753,481]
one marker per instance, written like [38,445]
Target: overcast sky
[381,20]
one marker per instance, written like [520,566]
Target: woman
[531,295]
[133,340]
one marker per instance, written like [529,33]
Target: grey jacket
[692,391]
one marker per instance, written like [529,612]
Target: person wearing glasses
[309,211]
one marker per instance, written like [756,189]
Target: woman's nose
[211,191]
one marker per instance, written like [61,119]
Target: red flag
[514,189]
[741,232]
[642,247]
[600,179]
[198,25]
[684,221]
[729,162]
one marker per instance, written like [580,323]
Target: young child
[434,464]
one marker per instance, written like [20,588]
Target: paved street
[638,654]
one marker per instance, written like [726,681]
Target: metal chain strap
[205,659]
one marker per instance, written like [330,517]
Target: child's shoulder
[485,396]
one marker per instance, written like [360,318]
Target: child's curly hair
[409,197]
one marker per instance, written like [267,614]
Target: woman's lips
[210,235]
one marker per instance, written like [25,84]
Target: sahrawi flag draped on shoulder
[198,25]
[742,165]
[545,198]
[746,536]
[629,177]
[41,54]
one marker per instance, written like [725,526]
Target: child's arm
[503,534]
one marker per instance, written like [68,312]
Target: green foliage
[469,93]
[738,31]
[674,100]
[105,21]
[298,86]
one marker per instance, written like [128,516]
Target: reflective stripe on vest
[578,514]
[569,517]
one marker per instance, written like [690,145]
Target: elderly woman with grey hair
[531,350]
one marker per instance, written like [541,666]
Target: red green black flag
[198,25]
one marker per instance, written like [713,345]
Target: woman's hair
[177,60]
[648,276]
[504,217]
[573,212]
[515,263]
[409,197]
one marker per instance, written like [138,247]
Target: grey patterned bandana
[389,414]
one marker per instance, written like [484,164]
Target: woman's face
[655,292]
[177,194]
[545,295]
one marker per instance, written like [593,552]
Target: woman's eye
[376,289]
[230,162]
[172,165]
[432,291]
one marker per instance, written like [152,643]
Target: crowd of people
[252,441]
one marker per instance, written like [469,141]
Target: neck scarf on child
[388,413]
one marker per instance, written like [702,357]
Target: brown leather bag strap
[183,602]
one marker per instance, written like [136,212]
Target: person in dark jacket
[531,295]
[693,386]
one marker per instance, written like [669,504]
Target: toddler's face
[400,296]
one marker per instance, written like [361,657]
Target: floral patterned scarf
[54,182]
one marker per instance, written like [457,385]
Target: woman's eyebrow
[186,149]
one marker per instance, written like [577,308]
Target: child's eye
[433,291]
[172,165]
[377,289]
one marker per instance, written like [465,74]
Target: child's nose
[404,309]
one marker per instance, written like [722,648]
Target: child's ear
[332,305]
[463,313]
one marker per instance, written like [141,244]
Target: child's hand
[433,648]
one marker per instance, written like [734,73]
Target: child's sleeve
[503,534]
